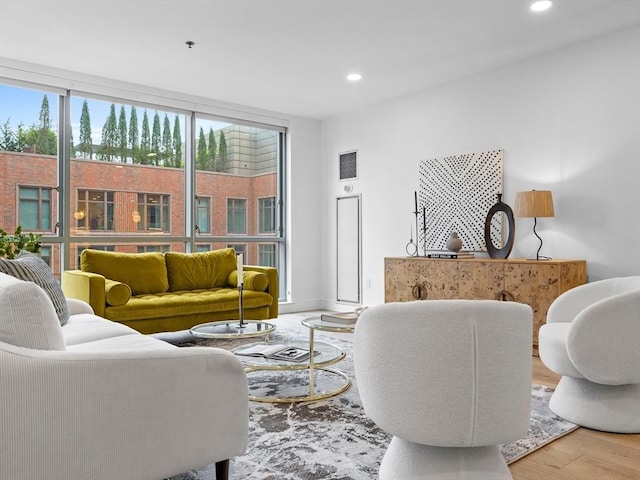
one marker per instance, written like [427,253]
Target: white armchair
[450,380]
[97,400]
[592,339]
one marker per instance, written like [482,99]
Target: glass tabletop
[317,323]
[232,329]
[325,355]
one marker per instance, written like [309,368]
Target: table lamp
[535,203]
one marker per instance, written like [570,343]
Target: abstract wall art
[456,192]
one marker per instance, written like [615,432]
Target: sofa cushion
[133,343]
[31,268]
[257,281]
[87,327]
[116,293]
[187,302]
[201,270]
[143,272]
[28,318]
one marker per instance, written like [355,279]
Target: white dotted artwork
[457,192]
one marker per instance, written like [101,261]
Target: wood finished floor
[581,455]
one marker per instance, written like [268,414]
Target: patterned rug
[333,439]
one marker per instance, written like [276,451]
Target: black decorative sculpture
[492,250]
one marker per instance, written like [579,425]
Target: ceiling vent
[349,165]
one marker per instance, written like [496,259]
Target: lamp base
[541,259]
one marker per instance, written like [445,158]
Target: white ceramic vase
[454,243]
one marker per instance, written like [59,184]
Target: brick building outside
[122,199]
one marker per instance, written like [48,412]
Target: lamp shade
[534,203]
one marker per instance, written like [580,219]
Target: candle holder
[241,324]
[424,231]
[412,248]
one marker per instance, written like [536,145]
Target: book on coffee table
[289,353]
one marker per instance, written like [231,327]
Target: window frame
[39,201]
[207,214]
[164,212]
[273,254]
[271,209]
[62,233]
[233,212]
[105,202]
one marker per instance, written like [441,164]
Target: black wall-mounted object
[505,250]
[348,165]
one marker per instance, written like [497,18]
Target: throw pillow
[192,271]
[143,272]
[28,318]
[256,281]
[31,268]
[117,293]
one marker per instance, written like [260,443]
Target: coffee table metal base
[232,329]
[309,396]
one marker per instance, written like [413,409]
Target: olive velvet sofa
[166,292]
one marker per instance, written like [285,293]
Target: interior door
[349,283]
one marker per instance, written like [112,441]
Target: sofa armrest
[77,307]
[149,413]
[86,286]
[272,275]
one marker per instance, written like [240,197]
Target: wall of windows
[91,172]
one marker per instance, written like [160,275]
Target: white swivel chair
[450,380]
[592,339]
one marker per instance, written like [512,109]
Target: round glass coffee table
[317,369]
[233,329]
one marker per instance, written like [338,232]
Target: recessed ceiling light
[354,77]
[541,5]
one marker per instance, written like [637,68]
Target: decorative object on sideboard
[412,247]
[492,232]
[454,243]
[456,192]
[424,230]
[535,203]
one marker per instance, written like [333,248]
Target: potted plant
[11,245]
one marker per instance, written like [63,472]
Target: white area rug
[333,439]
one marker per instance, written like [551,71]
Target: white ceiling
[292,56]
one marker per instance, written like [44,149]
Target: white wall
[568,121]
[305,230]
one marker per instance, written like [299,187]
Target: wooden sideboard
[536,283]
